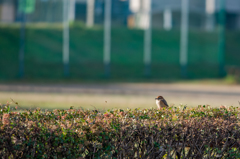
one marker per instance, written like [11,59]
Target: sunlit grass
[110,101]
[86,101]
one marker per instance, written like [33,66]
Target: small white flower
[134,126]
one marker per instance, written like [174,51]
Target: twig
[94,107]
[15,103]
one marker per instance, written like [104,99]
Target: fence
[94,39]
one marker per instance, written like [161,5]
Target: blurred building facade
[165,13]
[52,10]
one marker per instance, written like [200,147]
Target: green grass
[43,53]
[86,101]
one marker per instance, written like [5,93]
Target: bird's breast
[158,103]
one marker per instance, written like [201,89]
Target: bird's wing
[165,102]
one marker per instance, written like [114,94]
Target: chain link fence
[119,39]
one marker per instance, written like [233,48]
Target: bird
[161,102]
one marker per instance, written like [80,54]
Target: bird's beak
[156,98]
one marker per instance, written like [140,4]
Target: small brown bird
[161,102]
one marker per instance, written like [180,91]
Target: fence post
[72,5]
[210,9]
[22,42]
[107,37]
[66,37]
[221,42]
[167,18]
[90,13]
[184,38]
[148,36]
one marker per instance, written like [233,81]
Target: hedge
[175,132]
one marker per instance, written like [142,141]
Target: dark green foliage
[180,132]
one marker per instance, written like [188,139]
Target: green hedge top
[149,133]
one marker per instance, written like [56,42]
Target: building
[203,13]
[95,8]
[7,10]
[133,13]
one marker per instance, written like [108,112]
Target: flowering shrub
[175,132]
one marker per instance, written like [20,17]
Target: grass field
[86,101]
[121,95]
[43,53]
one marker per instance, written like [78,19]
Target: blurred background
[106,41]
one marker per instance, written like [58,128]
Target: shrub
[180,132]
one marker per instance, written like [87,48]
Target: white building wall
[7,11]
